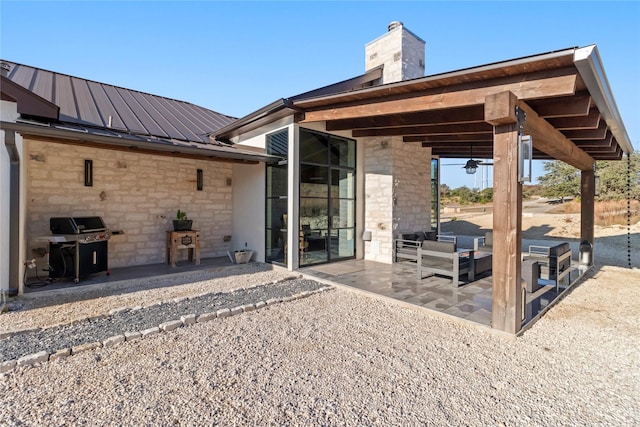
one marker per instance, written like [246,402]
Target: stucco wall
[249,201]
[7,113]
[138,193]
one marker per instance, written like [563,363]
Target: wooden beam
[548,140]
[562,85]
[473,114]
[500,108]
[459,129]
[506,307]
[587,209]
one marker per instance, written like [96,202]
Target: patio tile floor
[471,301]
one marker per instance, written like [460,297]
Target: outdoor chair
[443,258]
[485,243]
[554,261]
[406,247]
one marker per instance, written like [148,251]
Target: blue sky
[236,57]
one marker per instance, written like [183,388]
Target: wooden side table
[183,240]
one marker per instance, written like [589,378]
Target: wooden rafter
[590,121]
[578,105]
[473,114]
[455,129]
[588,134]
[478,137]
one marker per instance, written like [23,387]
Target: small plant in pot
[182,223]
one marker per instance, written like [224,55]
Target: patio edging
[35,359]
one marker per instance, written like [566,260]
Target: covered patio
[561,100]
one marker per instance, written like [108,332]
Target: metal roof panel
[88,110]
[105,106]
[150,125]
[64,99]
[92,103]
[43,84]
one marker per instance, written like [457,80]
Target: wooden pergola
[570,114]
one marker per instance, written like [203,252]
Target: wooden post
[507,214]
[587,208]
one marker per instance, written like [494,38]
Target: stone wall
[411,188]
[137,193]
[397,192]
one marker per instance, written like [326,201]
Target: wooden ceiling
[447,113]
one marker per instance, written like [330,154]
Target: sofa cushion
[431,235]
[408,236]
[560,249]
[445,247]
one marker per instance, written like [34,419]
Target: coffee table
[482,261]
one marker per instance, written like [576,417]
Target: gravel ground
[61,307]
[100,328]
[342,358]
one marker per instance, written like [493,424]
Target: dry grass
[610,212]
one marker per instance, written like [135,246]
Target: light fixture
[471,167]
[199,179]
[88,173]
[525,157]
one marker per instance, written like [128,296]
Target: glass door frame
[328,199]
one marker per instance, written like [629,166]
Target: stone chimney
[400,51]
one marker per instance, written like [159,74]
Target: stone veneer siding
[137,193]
[400,51]
[397,192]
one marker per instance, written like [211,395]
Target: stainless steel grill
[78,247]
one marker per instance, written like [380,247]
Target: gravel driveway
[341,358]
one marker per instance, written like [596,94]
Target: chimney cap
[395,24]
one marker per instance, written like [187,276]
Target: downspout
[14,211]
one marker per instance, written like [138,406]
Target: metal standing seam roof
[98,105]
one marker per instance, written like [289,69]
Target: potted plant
[240,257]
[182,223]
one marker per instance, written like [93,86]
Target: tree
[613,178]
[444,190]
[560,180]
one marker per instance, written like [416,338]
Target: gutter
[587,61]
[14,210]
[256,118]
[119,141]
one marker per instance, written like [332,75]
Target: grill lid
[77,225]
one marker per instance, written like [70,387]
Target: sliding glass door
[327,197]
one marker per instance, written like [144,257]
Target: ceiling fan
[472,165]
